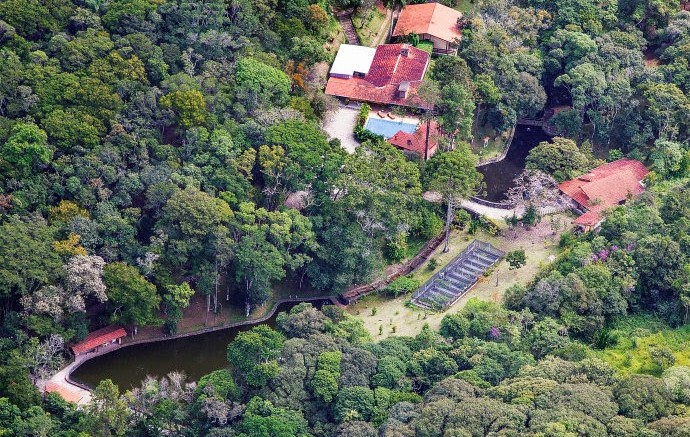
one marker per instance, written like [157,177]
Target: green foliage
[219,384]
[402,285]
[325,381]
[560,158]
[354,403]
[134,299]
[363,114]
[254,354]
[108,414]
[26,148]
[262,419]
[189,107]
[260,85]
[516,259]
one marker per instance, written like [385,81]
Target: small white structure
[352,61]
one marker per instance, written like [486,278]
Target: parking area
[341,124]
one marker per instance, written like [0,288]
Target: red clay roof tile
[416,142]
[99,337]
[389,69]
[605,186]
[432,19]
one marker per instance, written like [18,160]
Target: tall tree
[133,298]
[454,175]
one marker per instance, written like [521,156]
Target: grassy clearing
[427,46]
[495,144]
[390,316]
[336,36]
[466,6]
[638,337]
[368,30]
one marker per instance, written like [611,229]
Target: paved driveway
[340,124]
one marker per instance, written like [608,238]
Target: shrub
[516,259]
[402,285]
[363,114]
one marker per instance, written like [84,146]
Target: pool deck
[406,120]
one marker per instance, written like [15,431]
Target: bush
[363,135]
[396,249]
[433,263]
[402,285]
[516,259]
[363,114]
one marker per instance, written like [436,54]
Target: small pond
[499,176]
[195,355]
[388,128]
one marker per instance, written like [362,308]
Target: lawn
[368,30]
[390,316]
[466,6]
[495,144]
[336,36]
[638,337]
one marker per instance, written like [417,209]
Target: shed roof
[96,338]
[432,19]
[351,59]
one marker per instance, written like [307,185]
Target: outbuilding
[96,340]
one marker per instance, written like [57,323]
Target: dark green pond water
[196,356]
[499,176]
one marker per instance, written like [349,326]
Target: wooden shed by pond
[96,340]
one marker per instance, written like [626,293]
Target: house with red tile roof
[393,78]
[415,143]
[96,340]
[604,187]
[432,22]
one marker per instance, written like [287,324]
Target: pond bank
[193,353]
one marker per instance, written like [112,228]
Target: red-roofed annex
[97,339]
[432,22]
[415,143]
[604,187]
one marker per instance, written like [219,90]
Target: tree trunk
[449,219]
[476,123]
[215,294]
[426,143]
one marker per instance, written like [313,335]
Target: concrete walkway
[487,211]
[73,393]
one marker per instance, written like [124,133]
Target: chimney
[403,88]
[405,50]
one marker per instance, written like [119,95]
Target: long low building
[604,187]
[392,77]
[96,340]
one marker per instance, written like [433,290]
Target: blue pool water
[388,128]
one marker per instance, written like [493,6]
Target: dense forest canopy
[147,150]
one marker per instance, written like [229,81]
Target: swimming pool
[388,128]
